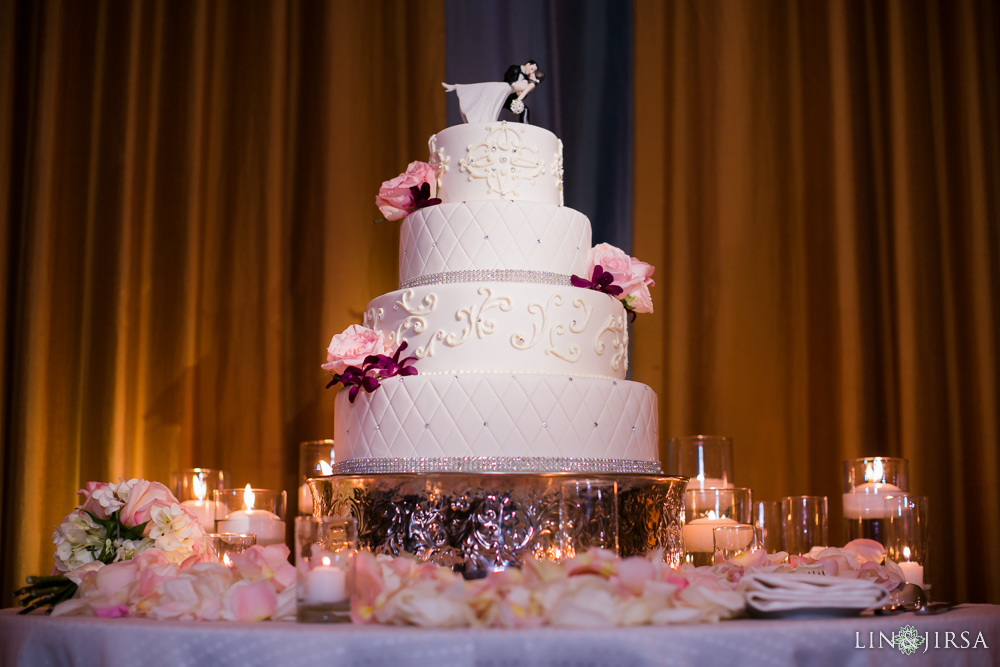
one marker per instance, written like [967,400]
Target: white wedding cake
[513,368]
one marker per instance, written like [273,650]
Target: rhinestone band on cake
[488,276]
[487,464]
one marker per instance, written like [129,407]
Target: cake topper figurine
[482,102]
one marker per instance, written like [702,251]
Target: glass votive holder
[866,483]
[315,460]
[221,546]
[804,522]
[734,540]
[194,488]
[767,519]
[704,510]
[588,516]
[260,512]
[706,459]
[324,547]
[907,536]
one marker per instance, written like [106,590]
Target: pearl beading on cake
[488,276]
[498,464]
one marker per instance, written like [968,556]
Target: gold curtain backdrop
[818,185]
[187,202]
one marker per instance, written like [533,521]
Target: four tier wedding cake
[505,347]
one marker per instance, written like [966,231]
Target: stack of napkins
[774,593]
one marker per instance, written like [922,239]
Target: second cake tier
[503,327]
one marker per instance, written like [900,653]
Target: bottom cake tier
[493,422]
[475,523]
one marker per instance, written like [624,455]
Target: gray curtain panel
[585,49]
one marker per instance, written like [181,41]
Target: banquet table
[39,641]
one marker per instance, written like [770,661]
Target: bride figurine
[482,102]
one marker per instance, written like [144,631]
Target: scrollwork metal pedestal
[476,522]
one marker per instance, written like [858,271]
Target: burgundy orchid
[422,197]
[374,369]
[601,281]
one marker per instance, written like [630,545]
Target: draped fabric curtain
[187,194]
[818,184]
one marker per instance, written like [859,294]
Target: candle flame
[198,487]
[906,553]
[325,468]
[226,561]
[248,497]
[876,472]
[712,515]
[326,560]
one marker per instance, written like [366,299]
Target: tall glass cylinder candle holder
[804,521]
[315,460]
[706,459]
[222,546]
[194,488]
[588,516]
[767,519]
[259,512]
[324,547]
[866,483]
[907,536]
[704,510]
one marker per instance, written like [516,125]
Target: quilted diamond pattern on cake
[499,415]
[493,235]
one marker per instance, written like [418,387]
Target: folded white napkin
[783,592]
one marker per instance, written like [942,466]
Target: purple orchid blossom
[375,368]
[422,197]
[601,281]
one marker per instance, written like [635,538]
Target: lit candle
[267,526]
[698,536]
[867,500]
[203,509]
[326,584]
[702,482]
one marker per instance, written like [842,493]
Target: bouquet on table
[131,549]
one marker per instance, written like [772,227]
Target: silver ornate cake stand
[484,521]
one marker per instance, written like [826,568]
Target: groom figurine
[522,79]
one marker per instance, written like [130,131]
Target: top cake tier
[498,160]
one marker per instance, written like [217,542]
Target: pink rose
[143,497]
[395,199]
[633,276]
[351,347]
[90,503]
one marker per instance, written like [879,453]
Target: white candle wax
[204,510]
[913,572]
[305,499]
[698,536]
[709,483]
[325,584]
[268,528]
[867,501]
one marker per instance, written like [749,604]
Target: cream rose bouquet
[114,523]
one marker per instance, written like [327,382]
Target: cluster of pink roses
[626,277]
[353,346]
[260,585]
[413,189]
[596,589]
